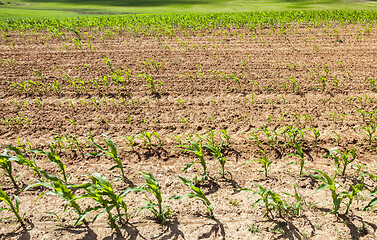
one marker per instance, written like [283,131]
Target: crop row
[193,21]
[212,145]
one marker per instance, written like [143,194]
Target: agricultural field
[199,126]
[68,8]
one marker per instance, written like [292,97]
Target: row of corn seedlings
[107,200]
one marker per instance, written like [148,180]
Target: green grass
[71,8]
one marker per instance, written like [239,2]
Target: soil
[280,86]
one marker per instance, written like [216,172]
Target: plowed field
[280,84]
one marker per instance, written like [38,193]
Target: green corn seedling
[297,207]
[111,151]
[330,184]
[211,138]
[271,200]
[264,161]
[62,190]
[197,149]
[107,61]
[22,160]
[14,208]
[316,134]
[151,84]
[271,136]
[369,132]
[254,136]
[372,204]
[147,138]
[6,165]
[295,85]
[345,158]
[299,153]
[235,79]
[292,136]
[226,136]
[216,152]
[152,186]
[103,194]
[130,140]
[54,158]
[323,81]
[350,195]
[197,193]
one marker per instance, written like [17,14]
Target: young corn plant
[62,190]
[298,206]
[369,132]
[107,61]
[350,195]
[225,135]
[271,136]
[299,153]
[196,193]
[151,83]
[292,136]
[330,184]
[316,135]
[264,161]
[14,208]
[21,159]
[255,137]
[130,140]
[6,165]
[54,158]
[342,158]
[152,186]
[216,152]
[111,151]
[197,149]
[147,138]
[372,204]
[103,194]
[272,201]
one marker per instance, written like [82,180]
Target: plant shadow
[171,231]
[23,234]
[357,232]
[288,230]
[217,230]
[210,185]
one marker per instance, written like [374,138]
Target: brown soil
[198,72]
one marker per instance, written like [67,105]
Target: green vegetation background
[72,8]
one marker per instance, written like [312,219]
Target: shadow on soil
[288,230]
[357,232]
[217,231]
[210,185]
[171,231]
[21,233]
